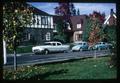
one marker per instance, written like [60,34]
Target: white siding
[49,22]
[52,22]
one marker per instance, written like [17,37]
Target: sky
[85,8]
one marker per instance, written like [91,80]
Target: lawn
[71,70]
[22,49]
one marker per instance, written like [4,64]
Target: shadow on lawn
[43,76]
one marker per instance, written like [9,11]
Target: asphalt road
[30,58]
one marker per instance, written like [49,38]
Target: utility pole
[95,53]
[4,52]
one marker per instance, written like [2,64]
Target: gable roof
[110,17]
[37,11]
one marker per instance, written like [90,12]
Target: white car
[80,46]
[50,47]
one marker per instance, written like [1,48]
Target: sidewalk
[20,54]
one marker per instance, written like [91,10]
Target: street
[27,59]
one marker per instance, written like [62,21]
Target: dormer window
[78,26]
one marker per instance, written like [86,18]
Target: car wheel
[107,48]
[99,49]
[65,51]
[35,53]
[46,51]
[80,49]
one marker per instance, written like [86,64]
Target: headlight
[37,48]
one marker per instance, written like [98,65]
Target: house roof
[79,19]
[109,18]
[112,14]
[57,18]
[37,11]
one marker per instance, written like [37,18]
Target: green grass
[24,49]
[73,70]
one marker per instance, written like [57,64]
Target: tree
[66,10]
[93,31]
[72,9]
[60,33]
[110,32]
[78,12]
[16,16]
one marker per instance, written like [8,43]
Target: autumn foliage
[96,28]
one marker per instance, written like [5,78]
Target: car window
[54,44]
[103,42]
[58,44]
[84,43]
[80,43]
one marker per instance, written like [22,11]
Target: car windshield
[79,43]
[47,43]
[98,43]
[77,46]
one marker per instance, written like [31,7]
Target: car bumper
[38,51]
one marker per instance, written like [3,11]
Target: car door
[54,47]
[85,46]
[59,47]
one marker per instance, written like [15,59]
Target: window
[58,44]
[26,36]
[38,21]
[54,44]
[84,43]
[48,36]
[43,20]
[79,26]
[49,22]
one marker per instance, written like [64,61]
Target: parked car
[80,46]
[52,46]
[102,46]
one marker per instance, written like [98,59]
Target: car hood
[42,46]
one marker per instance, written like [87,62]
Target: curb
[22,54]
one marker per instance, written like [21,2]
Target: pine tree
[78,12]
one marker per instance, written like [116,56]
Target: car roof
[80,42]
[53,42]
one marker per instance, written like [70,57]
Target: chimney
[111,12]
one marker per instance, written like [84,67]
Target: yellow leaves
[111,66]
[3,8]
[14,36]
[28,66]
[16,10]
[14,23]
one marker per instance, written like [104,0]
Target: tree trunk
[4,51]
